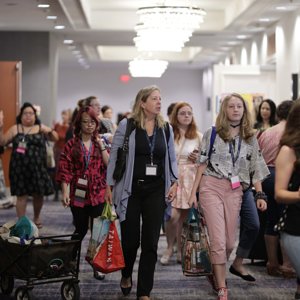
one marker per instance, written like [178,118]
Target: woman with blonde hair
[148,184]
[187,144]
[222,175]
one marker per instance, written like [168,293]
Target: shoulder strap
[212,140]
[129,128]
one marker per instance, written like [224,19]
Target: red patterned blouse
[72,166]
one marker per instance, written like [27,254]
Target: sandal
[287,272]
[273,270]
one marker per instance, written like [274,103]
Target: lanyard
[86,157]
[234,159]
[26,132]
[151,144]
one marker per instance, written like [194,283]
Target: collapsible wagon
[55,259]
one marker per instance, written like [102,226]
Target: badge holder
[235,182]
[80,192]
[21,147]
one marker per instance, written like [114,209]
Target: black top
[142,154]
[292,221]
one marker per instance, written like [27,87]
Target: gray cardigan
[122,189]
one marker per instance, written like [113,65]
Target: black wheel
[6,284]
[70,290]
[23,293]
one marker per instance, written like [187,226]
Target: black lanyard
[151,144]
[234,159]
[86,157]
[25,134]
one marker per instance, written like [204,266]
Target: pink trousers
[221,207]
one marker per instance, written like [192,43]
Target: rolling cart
[55,259]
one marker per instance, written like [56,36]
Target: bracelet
[102,149]
[261,195]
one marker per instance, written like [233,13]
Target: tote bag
[195,246]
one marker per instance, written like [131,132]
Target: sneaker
[222,293]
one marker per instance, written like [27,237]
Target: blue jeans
[249,225]
[291,244]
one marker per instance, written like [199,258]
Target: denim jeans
[249,225]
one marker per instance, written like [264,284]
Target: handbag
[100,230]
[109,257]
[122,152]
[195,250]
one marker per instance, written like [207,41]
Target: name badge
[21,148]
[83,182]
[235,182]
[79,198]
[151,170]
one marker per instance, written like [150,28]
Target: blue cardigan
[122,189]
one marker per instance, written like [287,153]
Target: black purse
[122,153]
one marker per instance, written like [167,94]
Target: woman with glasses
[82,172]
[187,144]
[28,173]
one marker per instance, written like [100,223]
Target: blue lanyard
[86,157]
[234,159]
[151,144]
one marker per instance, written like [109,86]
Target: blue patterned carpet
[169,281]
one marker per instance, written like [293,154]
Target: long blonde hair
[223,124]
[138,113]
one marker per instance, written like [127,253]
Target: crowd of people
[232,170]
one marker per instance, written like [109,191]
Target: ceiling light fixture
[59,27]
[147,67]
[43,5]
[264,20]
[51,17]
[166,28]
[68,42]
[281,8]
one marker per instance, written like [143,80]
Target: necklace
[235,126]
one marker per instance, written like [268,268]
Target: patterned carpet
[169,281]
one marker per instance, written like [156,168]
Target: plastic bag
[24,229]
[100,230]
[109,257]
[195,249]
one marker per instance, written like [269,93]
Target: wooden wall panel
[10,95]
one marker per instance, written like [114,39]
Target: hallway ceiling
[103,30]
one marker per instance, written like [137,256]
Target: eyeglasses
[185,113]
[28,113]
[91,122]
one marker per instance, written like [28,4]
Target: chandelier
[147,67]
[166,28]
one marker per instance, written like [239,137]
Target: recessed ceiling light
[68,42]
[281,7]
[51,17]
[241,36]
[264,20]
[59,27]
[43,5]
